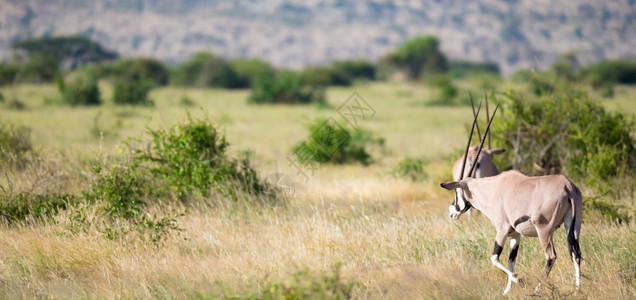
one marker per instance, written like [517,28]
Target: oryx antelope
[518,205]
[484,165]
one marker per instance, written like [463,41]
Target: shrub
[192,157]
[142,69]
[461,68]
[132,92]
[420,55]
[325,76]
[8,73]
[564,67]
[329,142]
[287,88]
[522,76]
[122,189]
[15,143]
[122,194]
[610,72]
[38,68]
[81,90]
[544,84]
[250,70]
[412,168]
[447,93]
[206,70]
[355,69]
[567,133]
[22,207]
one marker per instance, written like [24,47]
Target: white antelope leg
[499,241]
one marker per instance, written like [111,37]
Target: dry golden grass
[391,236]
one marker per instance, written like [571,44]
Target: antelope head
[461,203]
[485,166]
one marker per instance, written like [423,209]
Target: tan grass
[392,236]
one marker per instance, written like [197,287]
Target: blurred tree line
[77,63]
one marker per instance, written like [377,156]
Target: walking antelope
[484,165]
[518,205]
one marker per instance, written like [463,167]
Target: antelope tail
[572,238]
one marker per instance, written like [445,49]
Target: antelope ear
[497,151]
[450,185]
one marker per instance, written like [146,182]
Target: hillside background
[514,34]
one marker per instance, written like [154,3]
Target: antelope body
[517,205]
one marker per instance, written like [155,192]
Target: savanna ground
[388,237]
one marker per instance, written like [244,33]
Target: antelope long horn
[487,118]
[481,145]
[475,115]
[470,137]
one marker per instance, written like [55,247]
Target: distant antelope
[484,165]
[517,205]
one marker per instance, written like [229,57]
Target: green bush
[329,142]
[206,70]
[287,88]
[192,157]
[23,207]
[142,69]
[8,73]
[522,76]
[38,68]
[543,84]
[447,94]
[325,76]
[250,70]
[81,90]
[185,162]
[564,68]
[15,144]
[420,55]
[132,92]
[98,70]
[567,133]
[461,68]
[339,73]
[355,69]
[412,168]
[122,188]
[610,72]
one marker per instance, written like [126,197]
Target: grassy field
[387,237]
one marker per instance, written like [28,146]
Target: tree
[205,69]
[420,55]
[70,51]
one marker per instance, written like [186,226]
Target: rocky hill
[295,33]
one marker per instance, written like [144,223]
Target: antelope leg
[499,241]
[545,237]
[514,247]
